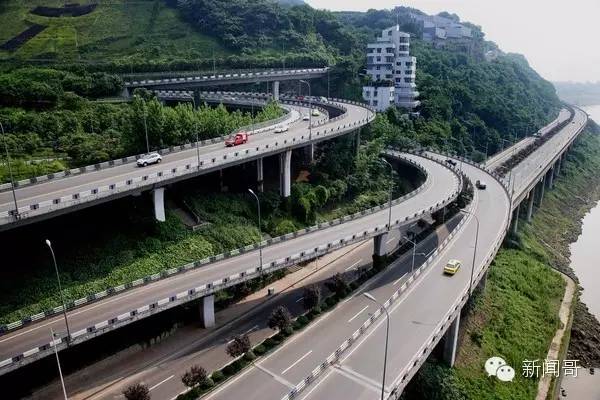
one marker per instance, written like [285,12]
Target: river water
[585,250]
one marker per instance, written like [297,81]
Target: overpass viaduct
[55,194]
[195,82]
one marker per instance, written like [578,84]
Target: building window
[377,77]
[408,72]
[375,93]
[378,67]
[399,63]
[408,80]
[378,58]
[409,64]
[379,49]
[389,33]
[370,60]
[375,102]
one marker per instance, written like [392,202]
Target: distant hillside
[583,94]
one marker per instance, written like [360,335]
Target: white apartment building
[392,71]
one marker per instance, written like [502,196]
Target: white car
[305,117]
[281,128]
[315,113]
[151,158]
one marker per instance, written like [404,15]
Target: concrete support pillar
[158,195]
[515,219]
[285,173]
[550,178]
[379,246]
[197,100]
[357,141]
[207,311]
[126,94]
[483,281]
[276,90]
[541,186]
[310,153]
[530,201]
[451,341]
[558,166]
[259,175]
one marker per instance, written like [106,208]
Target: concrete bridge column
[158,195]
[357,141]
[285,173]
[557,167]
[515,219]
[259,175]
[276,90]
[379,246]
[550,178]
[197,100]
[310,153]
[530,200]
[541,187]
[126,94]
[451,341]
[207,311]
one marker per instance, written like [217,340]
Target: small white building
[392,70]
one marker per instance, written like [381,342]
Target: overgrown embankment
[515,317]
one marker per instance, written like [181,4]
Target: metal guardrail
[209,288]
[225,76]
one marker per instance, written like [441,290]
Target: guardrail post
[207,311]
[285,178]
[158,196]
[451,341]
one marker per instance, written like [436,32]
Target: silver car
[151,158]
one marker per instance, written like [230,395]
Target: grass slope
[516,316]
[117,29]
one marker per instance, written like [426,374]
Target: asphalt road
[440,183]
[413,318]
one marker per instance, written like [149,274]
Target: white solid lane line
[354,265]
[358,313]
[300,299]
[297,361]
[161,382]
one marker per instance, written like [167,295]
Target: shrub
[207,384]
[194,376]
[269,343]
[331,301]
[249,356]
[302,319]
[312,297]
[260,350]
[338,285]
[137,391]
[240,345]
[217,376]
[280,319]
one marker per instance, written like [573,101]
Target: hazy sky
[561,39]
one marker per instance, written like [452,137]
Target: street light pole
[390,194]
[474,249]
[387,334]
[12,180]
[310,110]
[412,268]
[259,227]
[62,299]
[62,381]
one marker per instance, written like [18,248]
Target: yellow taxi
[452,267]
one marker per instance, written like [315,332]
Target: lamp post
[309,109]
[390,194]
[196,130]
[62,381]
[12,181]
[259,228]
[62,299]
[474,249]
[387,334]
[412,268]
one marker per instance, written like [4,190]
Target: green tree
[280,319]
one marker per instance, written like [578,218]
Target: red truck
[239,138]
